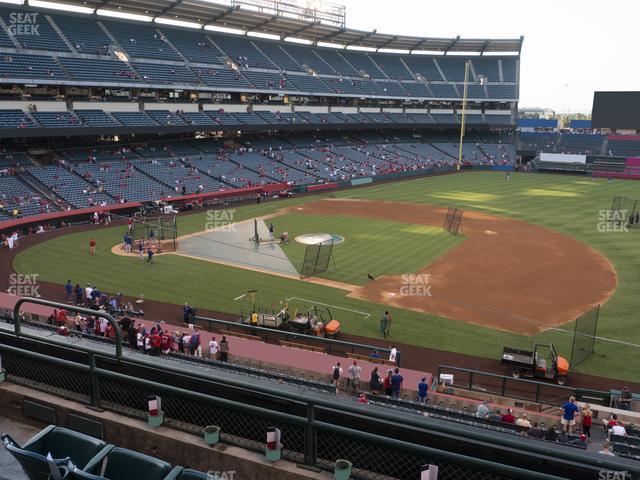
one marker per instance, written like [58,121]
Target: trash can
[342,470]
[211,434]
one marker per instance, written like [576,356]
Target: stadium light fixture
[298,40]
[268,36]
[331,45]
[358,48]
[216,28]
[60,6]
[177,23]
[123,15]
[393,50]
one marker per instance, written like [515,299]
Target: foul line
[365,314]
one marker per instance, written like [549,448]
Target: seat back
[188,474]
[125,464]
[34,464]
[62,442]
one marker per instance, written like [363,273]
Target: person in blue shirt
[375,354]
[422,390]
[78,291]
[569,411]
[69,288]
[149,255]
[396,383]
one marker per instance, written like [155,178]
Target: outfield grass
[371,246]
[570,205]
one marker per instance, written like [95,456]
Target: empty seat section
[32,30]
[20,66]
[141,41]
[242,52]
[84,33]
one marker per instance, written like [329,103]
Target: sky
[571,48]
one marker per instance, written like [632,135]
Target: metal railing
[520,388]
[331,345]
[316,431]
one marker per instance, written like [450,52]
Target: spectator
[625,399]
[396,383]
[132,333]
[605,450]
[537,431]
[483,410]
[552,434]
[508,417]
[224,349]
[363,398]
[569,411]
[336,373]
[618,430]
[586,417]
[386,384]
[355,371]
[610,422]
[423,387]
[374,382]
[196,345]
[495,417]
[213,348]
[523,422]
[581,441]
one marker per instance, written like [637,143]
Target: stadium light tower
[482,80]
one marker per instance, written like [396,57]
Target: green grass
[569,205]
[370,246]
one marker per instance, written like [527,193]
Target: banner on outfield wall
[361,181]
[563,158]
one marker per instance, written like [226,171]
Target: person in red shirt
[156,342]
[61,317]
[508,417]
[92,246]
[165,343]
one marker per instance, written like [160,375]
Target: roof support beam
[418,45]
[363,37]
[329,36]
[168,8]
[484,47]
[391,40]
[451,44]
[221,15]
[257,26]
[303,29]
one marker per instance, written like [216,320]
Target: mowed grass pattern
[371,246]
[567,204]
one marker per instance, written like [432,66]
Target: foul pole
[464,111]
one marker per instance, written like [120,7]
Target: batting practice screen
[316,259]
[584,336]
[453,220]
[622,209]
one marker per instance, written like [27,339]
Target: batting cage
[160,232]
[316,258]
[624,210]
[584,336]
[453,220]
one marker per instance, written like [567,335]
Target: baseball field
[534,253]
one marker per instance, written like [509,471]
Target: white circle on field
[316,238]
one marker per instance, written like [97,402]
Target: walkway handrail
[312,338]
[73,308]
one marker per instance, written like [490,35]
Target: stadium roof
[237,17]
